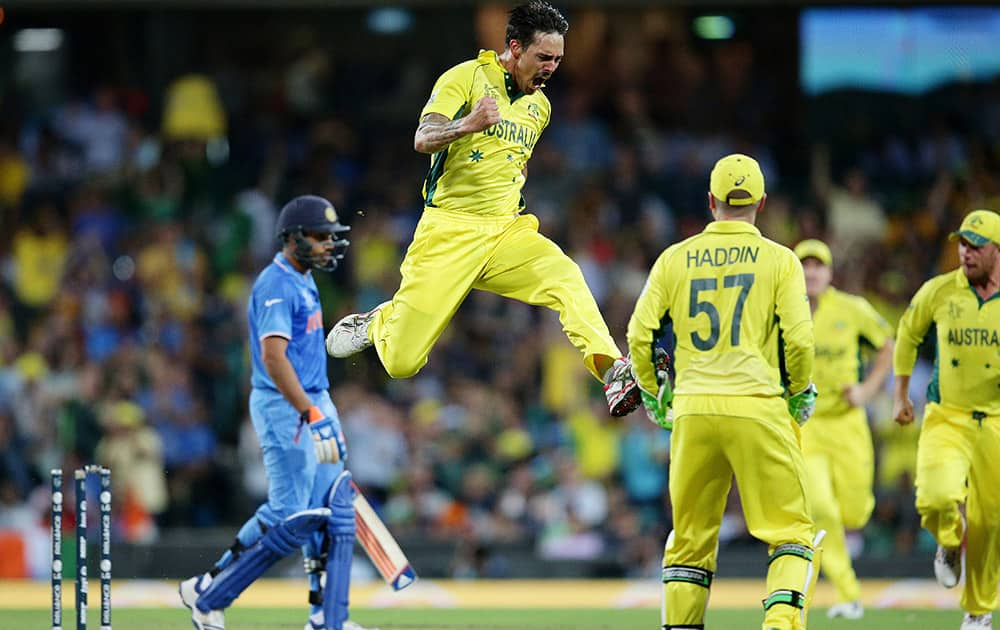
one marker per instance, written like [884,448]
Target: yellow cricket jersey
[39,260]
[843,324]
[482,172]
[737,302]
[967,362]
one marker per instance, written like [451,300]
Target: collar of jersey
[286,266]
[732,227]
[962,282]
[491,57]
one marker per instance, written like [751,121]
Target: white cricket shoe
[316,623]
[350,335]
[189,590]
[847,610]
[977,622]
[948,566]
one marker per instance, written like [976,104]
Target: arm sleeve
[451,93]
[871,325]
[913,328]
[275,305]
[653,305]
[795,323]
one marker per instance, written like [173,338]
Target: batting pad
[279,541]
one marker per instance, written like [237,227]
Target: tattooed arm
[435,131]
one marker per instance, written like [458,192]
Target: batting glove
[328,442]
[803,404]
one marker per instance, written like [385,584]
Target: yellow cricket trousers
[840,469]
[958,461]
[755,440]
[455,252]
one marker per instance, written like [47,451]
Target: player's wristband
[308,416]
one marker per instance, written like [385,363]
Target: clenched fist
[902,410]
[485,113]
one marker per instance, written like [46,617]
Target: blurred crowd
[132,228]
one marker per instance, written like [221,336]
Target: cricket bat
[381,547]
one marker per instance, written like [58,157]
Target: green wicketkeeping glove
[803,404]
[658,407]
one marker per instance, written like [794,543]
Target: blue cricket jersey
[285,303]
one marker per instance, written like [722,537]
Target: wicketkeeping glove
[328,442]
[803,404]
[658,411]
[658,407]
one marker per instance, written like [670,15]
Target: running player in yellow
[960,438]
[480,126]
[744,336]
[837,442]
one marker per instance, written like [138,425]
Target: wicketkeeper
[744,338]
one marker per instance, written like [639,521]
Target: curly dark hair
[533,17]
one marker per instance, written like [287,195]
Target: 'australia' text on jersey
[513,132]
[973,337]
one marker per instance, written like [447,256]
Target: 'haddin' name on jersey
[721,256]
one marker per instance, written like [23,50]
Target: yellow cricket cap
[813,248]
[979,228]
[737,172]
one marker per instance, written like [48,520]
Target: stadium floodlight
[390,20]
[714,27]
[38,40]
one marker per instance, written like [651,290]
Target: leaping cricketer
[480,126]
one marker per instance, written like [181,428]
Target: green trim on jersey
[783,375]
[482,173]
[966,332]
[513,93]
[933,393]
[995,296]
[863,343]
[729,292]
[437,168]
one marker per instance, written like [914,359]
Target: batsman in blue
[310,498]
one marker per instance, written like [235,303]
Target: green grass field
[484,619]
